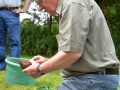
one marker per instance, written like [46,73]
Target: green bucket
[14,74]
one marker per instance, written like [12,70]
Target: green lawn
[51,80]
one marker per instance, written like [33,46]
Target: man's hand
[39,59]
[19,10]
[31,70]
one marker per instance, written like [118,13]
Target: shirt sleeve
[73,27]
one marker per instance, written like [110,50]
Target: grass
[51,80]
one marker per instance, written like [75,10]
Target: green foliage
[111,10]
[36,40]
[113,20]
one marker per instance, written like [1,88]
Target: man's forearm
[59,61]
[27,4]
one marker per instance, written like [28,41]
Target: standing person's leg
[13,28]
[2,41]
[119,79]
[90,82]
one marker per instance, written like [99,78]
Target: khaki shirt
[83,28]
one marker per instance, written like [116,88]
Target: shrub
[35,39]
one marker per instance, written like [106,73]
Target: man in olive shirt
[86,55]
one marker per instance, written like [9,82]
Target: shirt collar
[59,7]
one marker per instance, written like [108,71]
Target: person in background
[86,54]
[10,25]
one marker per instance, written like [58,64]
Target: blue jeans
[90,82]
[10,25]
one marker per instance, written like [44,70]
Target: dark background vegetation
[111,10]
[40,39]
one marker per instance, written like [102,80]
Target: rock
[24,63]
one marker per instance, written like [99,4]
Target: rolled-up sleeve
[73,27]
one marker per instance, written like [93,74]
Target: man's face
[48,5]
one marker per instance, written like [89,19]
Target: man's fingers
[25,70]
[31,60]
[35,58]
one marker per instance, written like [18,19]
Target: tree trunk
[50,25]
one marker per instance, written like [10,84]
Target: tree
[111,10]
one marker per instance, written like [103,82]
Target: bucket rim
[9,61]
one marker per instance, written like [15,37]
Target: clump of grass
[51,80]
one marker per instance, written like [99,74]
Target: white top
[10,3]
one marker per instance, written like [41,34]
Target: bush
[35,39]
